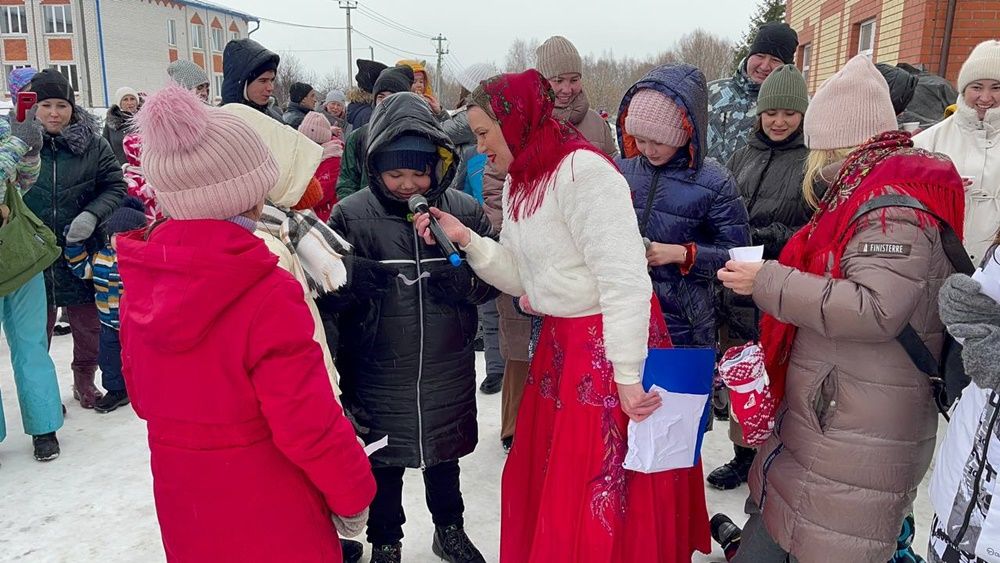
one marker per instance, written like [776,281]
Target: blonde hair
[815,163]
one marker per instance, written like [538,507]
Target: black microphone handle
[442,239]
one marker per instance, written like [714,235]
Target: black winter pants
[444,499]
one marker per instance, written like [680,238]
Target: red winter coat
[326,175]
[249,450]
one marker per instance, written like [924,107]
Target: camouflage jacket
[732,112]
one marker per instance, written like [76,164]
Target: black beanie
[776,39]
[299,91]
[394,80]
[129,217]
[368,72]
[51,84]
[407,152]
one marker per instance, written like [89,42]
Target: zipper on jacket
[420,358]
[978,481]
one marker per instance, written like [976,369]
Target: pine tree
[767,11]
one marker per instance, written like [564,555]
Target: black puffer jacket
[79,173]
[406,359]
[769,179]
[294,115]
[240,59]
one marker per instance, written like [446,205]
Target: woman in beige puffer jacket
[855,432]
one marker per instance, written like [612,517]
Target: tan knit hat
[558,56]
[983,64]
[851,107]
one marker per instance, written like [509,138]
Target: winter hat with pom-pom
[203,162]
[128,217]
[316,127]
[851,107]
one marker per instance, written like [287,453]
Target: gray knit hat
[187,74]
[558,56]
[335,96]
[785,88]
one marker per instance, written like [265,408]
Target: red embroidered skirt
[565,496]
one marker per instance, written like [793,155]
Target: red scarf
[887,163]
[523,103]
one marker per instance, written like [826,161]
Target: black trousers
[443,495]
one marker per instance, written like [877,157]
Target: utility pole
[372,50]
[440,53]
[349,5]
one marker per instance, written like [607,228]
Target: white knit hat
[851,107]
[474,74]
[983,64]
[122,92]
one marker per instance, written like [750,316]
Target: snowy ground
[95,502]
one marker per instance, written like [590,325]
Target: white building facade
[102,45]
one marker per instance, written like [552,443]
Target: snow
[95,503]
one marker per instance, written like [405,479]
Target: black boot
[351,551]
[507,444]
[453,545]
[46,446]
[492,384]
[726,534]
[111,401]
[734,473]
[392,553]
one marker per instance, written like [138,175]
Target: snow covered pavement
[95,503]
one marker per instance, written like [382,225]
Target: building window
[197,36]
[217,83]
[806,60]
[58,18]
[234,35]
[69,71]
[172,33]
[866,38]
[13,19]
[218,39]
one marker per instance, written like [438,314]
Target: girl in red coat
[317,128]
[252,458]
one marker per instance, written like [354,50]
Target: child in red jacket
[251,455]
[317,128]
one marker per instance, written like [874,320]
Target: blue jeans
[23,319]
[109,357]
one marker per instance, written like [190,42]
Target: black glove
[368,278]
[451,286]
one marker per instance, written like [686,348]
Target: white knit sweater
[579,254]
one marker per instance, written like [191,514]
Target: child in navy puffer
[102,268]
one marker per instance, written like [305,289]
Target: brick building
[102,45]
[890,31]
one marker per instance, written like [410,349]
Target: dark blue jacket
[690,199]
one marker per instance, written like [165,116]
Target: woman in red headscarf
[571,248]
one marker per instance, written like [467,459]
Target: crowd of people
[285,252]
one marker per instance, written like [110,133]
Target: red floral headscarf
[523,105]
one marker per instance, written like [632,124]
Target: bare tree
[290,71]
[709,52]
[521,55]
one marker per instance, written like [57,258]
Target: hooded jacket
[360,107]
[240,60]
[689,199]
[406,359]
[974,147]
[732,111]
[250,467]
[79,173]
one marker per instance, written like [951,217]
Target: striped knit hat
[851,107]
[203,162]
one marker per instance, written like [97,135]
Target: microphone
[418,204]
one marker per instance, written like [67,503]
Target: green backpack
[27,246]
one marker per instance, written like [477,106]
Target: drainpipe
[86,56]
[949,25]
[250,31]
[100,43]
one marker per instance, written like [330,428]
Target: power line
[389,22]
[385,45]
[302,25]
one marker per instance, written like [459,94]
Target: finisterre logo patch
[885,249]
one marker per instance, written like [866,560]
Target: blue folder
[683,370]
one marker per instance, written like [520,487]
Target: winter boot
[84,389]
[507,444]
[46,446]
[112,401]
[392,553]
[453,545]
[726,534]
[734,473]
[492,384]
[351,550]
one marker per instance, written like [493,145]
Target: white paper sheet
[989,278]
[747,254]
[668,438]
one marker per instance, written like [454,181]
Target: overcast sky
[482,31]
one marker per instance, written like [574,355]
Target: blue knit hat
[129,217]
[410,152]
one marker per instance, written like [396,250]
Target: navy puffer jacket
[690,199]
